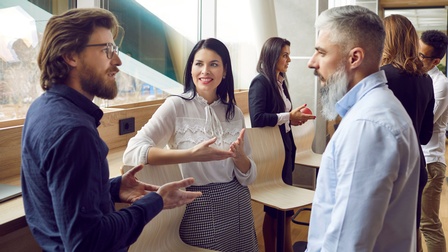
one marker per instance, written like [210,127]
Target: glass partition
[158,37]
[153,51]
[156,44]
[19,45]
[235,28]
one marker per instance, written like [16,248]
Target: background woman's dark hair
[225,90]
[69,33]
[266,66]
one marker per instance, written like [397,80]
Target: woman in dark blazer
[410,84]
[270,105]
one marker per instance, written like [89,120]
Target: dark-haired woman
[270,105]
[204,130]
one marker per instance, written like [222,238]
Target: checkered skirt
[221,219]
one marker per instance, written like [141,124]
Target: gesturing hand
[174,197]
[240,158]
[205,152]
[237,147]
[131,188]
[297,117]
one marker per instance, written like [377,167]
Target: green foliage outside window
[442,68]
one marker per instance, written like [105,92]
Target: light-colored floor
[300,233]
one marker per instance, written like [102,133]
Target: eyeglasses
[422,56]
[110,50]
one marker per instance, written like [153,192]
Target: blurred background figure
[433,45]
[410,84]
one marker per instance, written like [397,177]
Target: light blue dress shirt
[366,194]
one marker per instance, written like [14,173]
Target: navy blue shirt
[67,194]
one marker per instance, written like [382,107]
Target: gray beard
[332,92]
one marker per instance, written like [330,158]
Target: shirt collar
[212,127]
[202,100]
[79,100]
[433,71]
[359,90]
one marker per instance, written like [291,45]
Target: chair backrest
[304,136]
[162,232]
[268,153]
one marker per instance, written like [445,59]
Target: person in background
[67,194]
[204,130]
[270,105]
[366,192]
[410,84]
[433,45]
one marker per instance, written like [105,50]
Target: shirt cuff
[282,118]
[153,203]
[114,189]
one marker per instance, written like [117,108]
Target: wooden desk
[12,217]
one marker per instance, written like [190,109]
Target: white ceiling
[423,19]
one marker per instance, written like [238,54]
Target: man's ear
[356,56]
[71,59]
[436,62]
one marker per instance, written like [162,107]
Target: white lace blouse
[182,124]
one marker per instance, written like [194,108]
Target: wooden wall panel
[10,142]
[411,3]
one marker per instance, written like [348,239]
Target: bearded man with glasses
[68,196]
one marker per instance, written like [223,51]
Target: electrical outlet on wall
[127,125]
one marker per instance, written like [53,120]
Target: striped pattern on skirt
[221,219]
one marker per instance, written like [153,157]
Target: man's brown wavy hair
[69,33]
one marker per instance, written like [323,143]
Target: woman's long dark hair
[266,66]
[225,90]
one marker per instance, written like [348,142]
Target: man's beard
[92,83]
[335,88]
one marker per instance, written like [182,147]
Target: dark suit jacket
[261,115]
[416,93]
